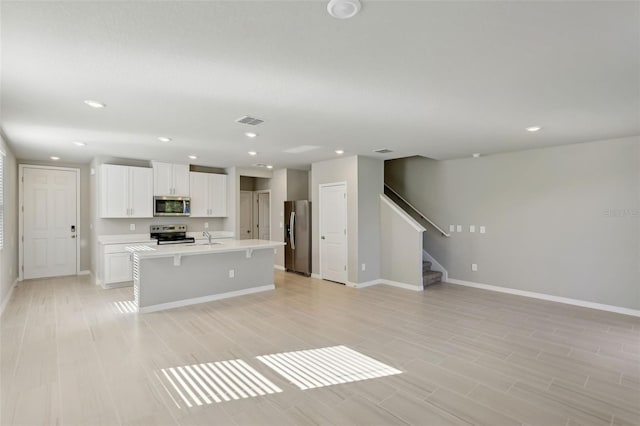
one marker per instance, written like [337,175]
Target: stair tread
[431,273]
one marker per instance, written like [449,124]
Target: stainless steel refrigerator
[297,235]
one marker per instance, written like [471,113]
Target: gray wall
[370,185]
[401,253]
[297,185]
[364,179]
[563,221]
[9,253]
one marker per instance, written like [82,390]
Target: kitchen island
[170,276]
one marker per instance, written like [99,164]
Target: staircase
[430,277]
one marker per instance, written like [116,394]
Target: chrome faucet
[208,235]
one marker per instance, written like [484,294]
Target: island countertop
[227,246]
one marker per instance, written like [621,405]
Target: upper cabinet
[208,194]
[170,179]
[125,191]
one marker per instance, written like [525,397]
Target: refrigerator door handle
[292,227]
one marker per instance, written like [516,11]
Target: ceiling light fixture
[251,134]
[533,128]
[343,9]
[253,153]
[164,139]
[79,143]
[54,158]
[193,157]
[269,166]
[94,104]
[339,151]
[476,155]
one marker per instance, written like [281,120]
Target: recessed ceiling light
[193,157]
[343,9]
[79,143]
[253,153]
[94,104]
[476,155]
[339,151]
[164,139]
[533,128]
[251,134]
[269,166]
[54,158]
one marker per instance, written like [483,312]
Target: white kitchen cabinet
[115,264]
[208,194]
[170,179]
[117,268]
[126,191]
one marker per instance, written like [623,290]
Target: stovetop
[170,234]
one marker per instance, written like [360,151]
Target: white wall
[563,221]
[9,254]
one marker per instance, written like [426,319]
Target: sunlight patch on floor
[206,383]
[316,368]
[125,306]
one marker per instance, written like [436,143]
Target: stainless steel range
[171,234]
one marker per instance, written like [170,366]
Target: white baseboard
[543,296]
[385,282]
[316,276]
[278,267]
[204,299]
[5,302]
[435,265]
[401,285]
[87,272]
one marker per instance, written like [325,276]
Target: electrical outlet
[483,230]
[232,273]
[459,228]
[364,266]
[132,227]
[452,228]
[472,228]
[474,266]
[206,225]
[280,224]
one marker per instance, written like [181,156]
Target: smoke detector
[343,9]
[382,151]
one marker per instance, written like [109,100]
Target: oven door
[171,206]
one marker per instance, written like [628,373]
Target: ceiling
[438,79]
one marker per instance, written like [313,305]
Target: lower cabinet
[116,264]
[117,268]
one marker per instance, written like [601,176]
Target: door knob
[322,237]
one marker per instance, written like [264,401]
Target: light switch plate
[132,227]
[364,266]
[483,230]
[206,225]
[459,228]
[474,266]
[452,228]
[472,228]
[232,273]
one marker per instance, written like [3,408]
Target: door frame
[346,224]
[21,168]
[256,194]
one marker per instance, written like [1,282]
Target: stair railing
[417,211]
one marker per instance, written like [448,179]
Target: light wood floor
[468,356]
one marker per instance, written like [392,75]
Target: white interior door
[49,222]
[264,217]
[333,232]
[246,215]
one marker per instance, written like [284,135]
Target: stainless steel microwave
[171,206]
